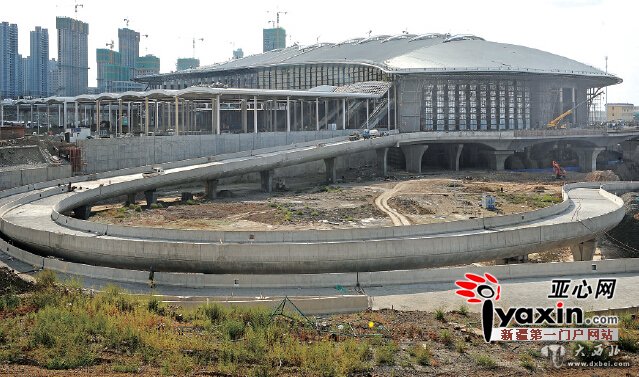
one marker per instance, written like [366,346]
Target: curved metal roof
[423,53]
[371,89]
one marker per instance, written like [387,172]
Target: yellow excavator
[555,122]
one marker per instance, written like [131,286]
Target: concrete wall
[103,155]
[365,279]
[11,178]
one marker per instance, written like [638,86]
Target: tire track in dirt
[382,203]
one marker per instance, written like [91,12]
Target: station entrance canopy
[205,109]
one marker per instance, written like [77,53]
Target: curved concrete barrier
[35,220]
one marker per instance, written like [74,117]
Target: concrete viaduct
[35,217]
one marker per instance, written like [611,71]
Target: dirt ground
[420,200]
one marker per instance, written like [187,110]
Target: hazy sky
[584,30]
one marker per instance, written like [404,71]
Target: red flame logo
[479,288]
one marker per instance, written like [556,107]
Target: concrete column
[146,116]
[151,197]
[82,212]
[343,113]
[388,115]
[244,108]
[317,114]
[2,115]
[129,118]
[413,155]
[211,188]
[331,171]
[266,177]
[583,251]
[326,113]
[382,161]
[156,121]
[97,126]
[177,116]
[255,114]
[367,112]
[130,198]
[301,115]
[288,114]
[275,108]
[218,104]
[110,117]
[454,152]
[588,158]
[65,115]
[75,114]
[119,123]
[498,159]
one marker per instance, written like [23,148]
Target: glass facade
[489,104]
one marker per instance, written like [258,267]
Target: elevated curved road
[35,220]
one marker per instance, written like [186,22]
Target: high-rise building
[129,47]
[273,38]
[147,65]
[53,77]
[187,63]
[110,69]
[38,76]
[9,64]
[238,54]
[73,56]
[24,77]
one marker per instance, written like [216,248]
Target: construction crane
[110,45]
[145,45]
[555,122]
[75,9]
[276,23]
[196,39]
[126,20]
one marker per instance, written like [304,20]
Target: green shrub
[628,342]
[215,313]
[9,301]
[628,322]
[132,367]
[385,355]
[46,279]
[155,306]
[191,202]
[463,310]
[234,329]
[421,353]
[63,338]
[440,315]
[460,346]
[446,337]
[485,361]
[527,362]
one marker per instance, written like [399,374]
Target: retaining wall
[115,154]
[11,178]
